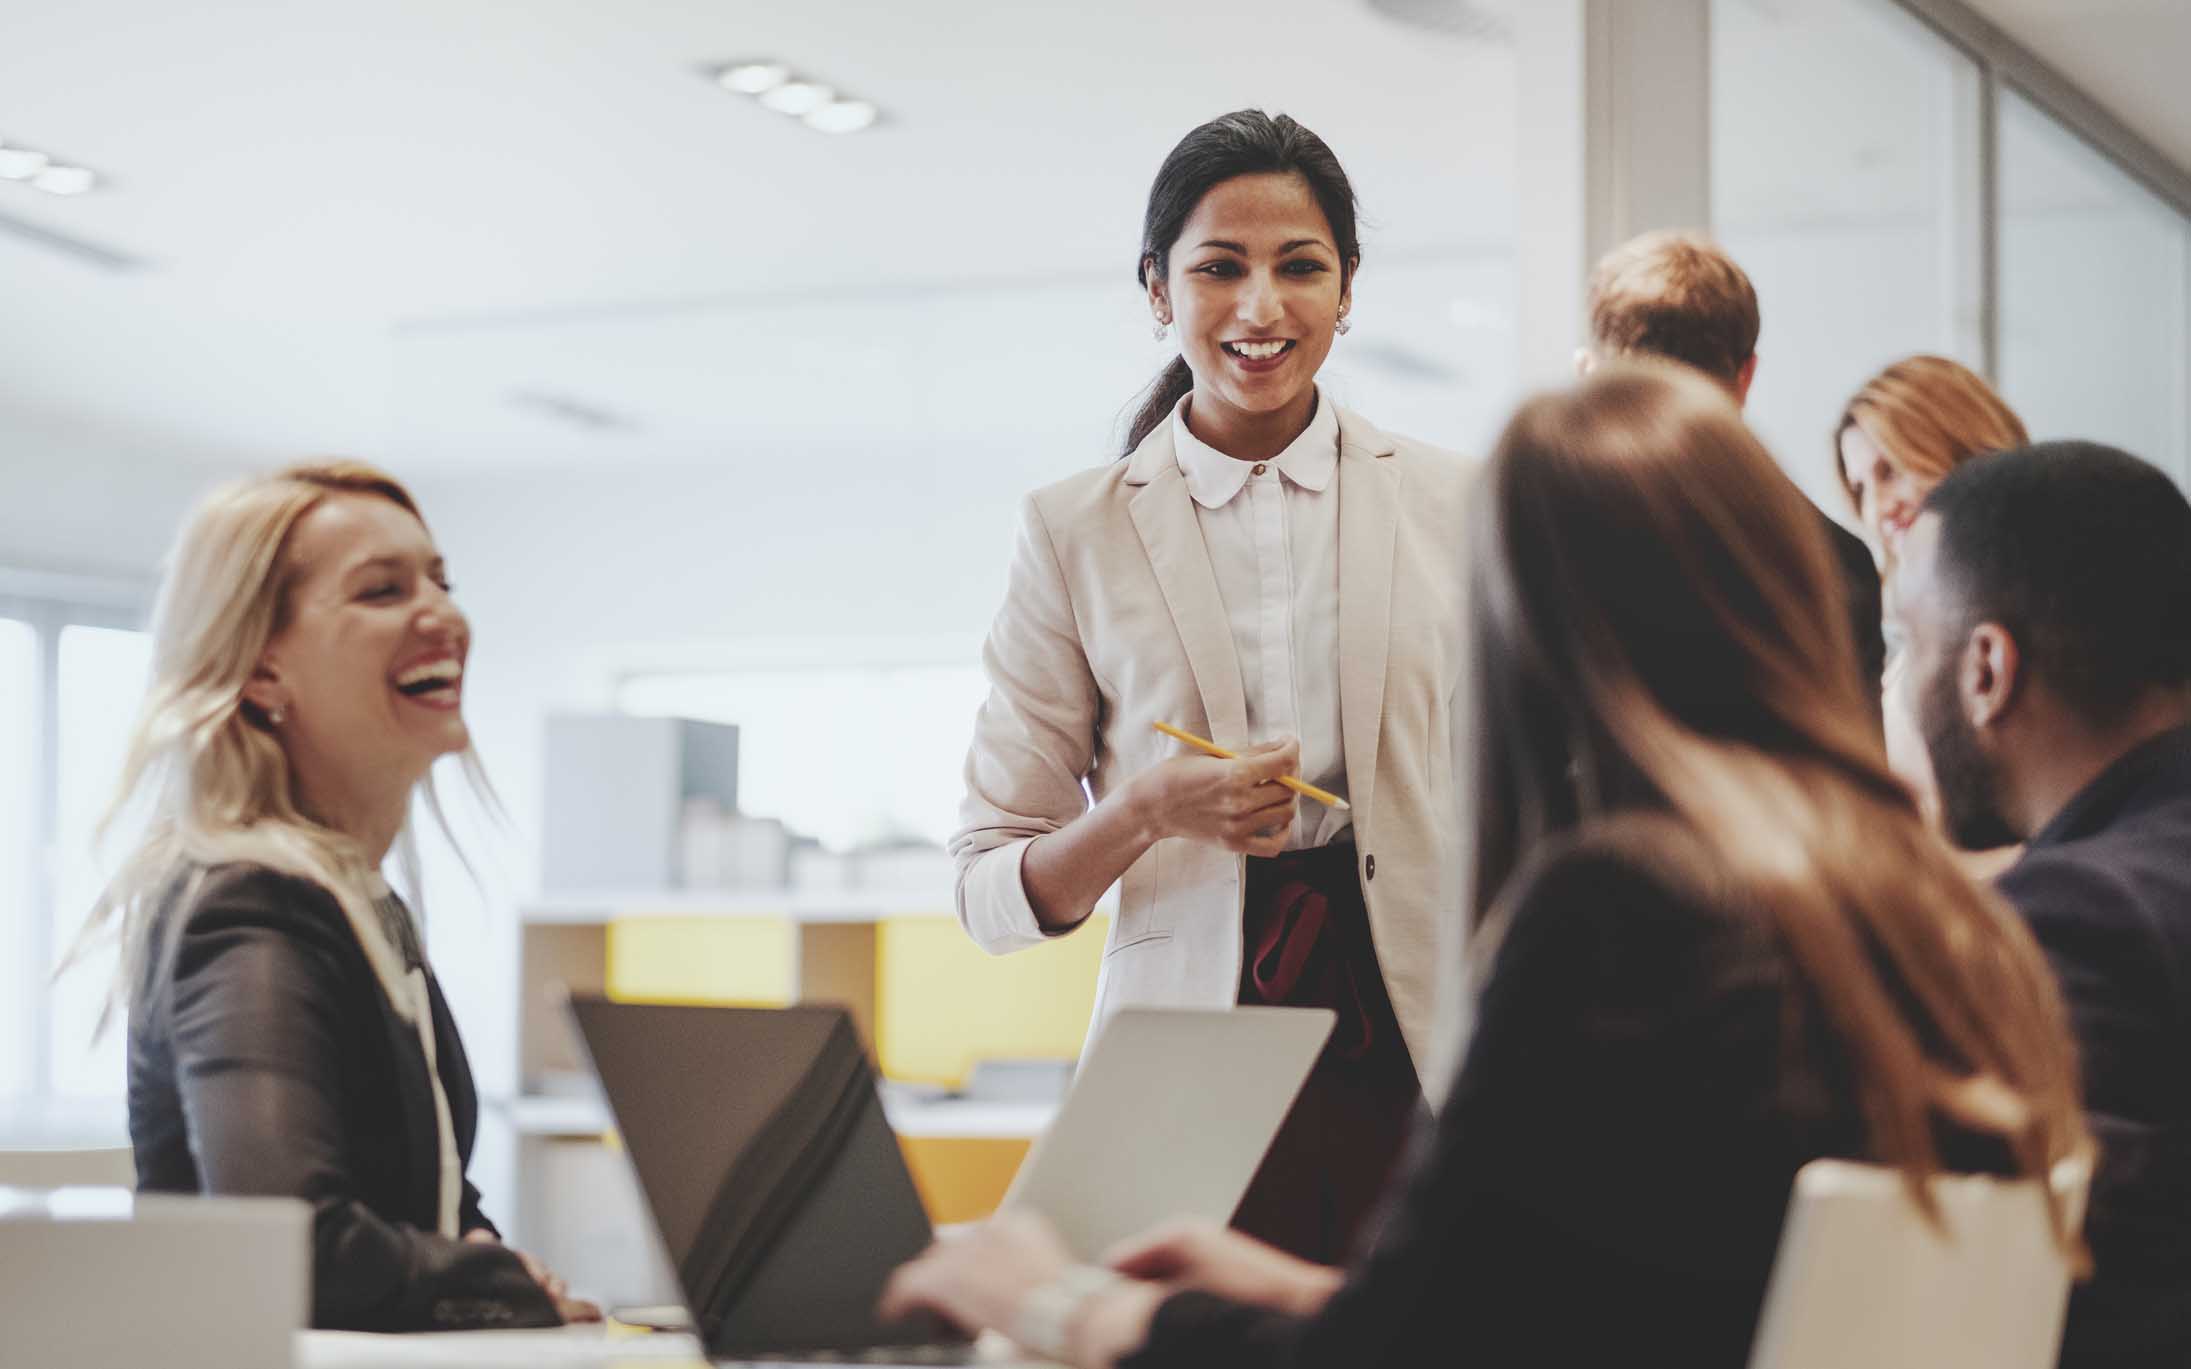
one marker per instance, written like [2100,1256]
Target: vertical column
[41,945]
[1615,140]
[2182,470]
[1972,250]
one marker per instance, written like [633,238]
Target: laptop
[1169,1116]
[783,1201]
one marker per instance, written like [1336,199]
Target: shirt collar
[1213,478]
[2164,761]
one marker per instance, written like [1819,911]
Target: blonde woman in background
[1897,438]
[286,1036]
[1904,430]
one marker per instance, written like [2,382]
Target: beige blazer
[1112,621]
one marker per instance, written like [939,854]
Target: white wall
[1837,303]
[77,500]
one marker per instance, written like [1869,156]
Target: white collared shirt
[1272,532]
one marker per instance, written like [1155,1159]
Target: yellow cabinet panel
[961,1178]
[744,960]
[942,1003]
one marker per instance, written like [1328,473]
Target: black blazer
[1608,1180]
[1860,591]
[264,1058]
[2106,888]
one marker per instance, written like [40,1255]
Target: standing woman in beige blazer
[1268,570]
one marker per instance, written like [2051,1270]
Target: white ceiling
[431,231]
[367,225]
[2128,55]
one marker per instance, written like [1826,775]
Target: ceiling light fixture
[798,98]
[752,78]
[43,173]
[66,180]
[20,163]
[777,87]
[842,116]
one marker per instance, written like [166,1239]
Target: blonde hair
[1927,415]
[203,762]
[1678,296]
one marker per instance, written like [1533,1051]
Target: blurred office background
[721,416]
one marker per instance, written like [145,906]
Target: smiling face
[367,668]
[1256,286]
[1887,496]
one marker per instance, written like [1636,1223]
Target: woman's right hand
[1211,1259]
[1237,804]
[567,1305]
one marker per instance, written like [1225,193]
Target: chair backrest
[1864,1280]
[64,1167]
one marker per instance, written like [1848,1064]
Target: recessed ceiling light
[753,78]
[842,116]
[798,97]
[65,180]
[776,86]
[20,163]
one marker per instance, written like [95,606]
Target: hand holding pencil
[1243,801]
[1210,748]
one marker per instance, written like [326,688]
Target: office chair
[1864,1281]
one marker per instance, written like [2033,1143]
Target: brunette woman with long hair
[1715,943]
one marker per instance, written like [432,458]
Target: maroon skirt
[1307,944]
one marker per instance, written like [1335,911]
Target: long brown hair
[1659,630]
[1927,415]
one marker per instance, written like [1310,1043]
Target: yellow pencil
[1210,748]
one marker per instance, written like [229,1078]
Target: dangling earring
[1343,324]
[1162,329]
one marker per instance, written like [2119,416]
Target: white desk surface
[589,1347]
[956,1118]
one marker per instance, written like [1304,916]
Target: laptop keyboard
[877,1354]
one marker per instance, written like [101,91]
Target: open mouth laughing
[436,682]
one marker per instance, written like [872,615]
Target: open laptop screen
[774,1179]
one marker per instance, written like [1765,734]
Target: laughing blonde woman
[286,1035]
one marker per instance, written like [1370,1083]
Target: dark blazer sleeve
[470,1217]
[2114,967]
[2118,975]
[1597,1185]
[257,1028]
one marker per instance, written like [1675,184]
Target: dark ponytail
[1246,143]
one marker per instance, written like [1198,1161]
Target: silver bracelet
[1045,1316]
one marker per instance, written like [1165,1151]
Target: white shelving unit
[799,905]
[582,1212]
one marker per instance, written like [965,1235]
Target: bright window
[71,680]
[1843,137]
[102,682]
[2093,295]
[19,980]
